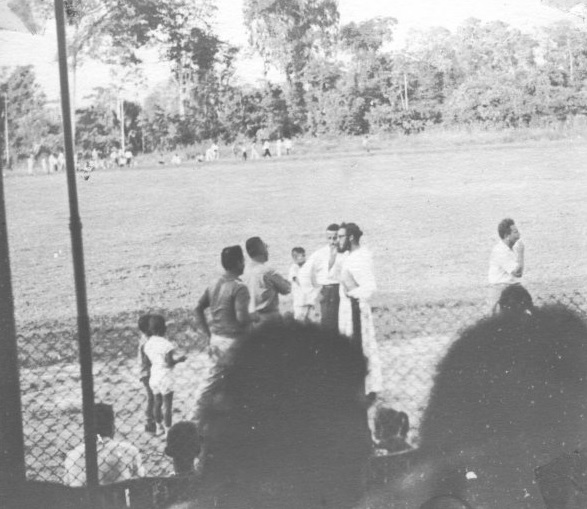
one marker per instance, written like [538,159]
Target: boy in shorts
[161,354]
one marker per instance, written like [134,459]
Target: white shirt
[302,290]
[156,349]
[358,267]
[502,263]
[117,461]
[318,267]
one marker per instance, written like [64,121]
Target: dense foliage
[336,79]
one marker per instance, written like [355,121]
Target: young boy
[302,290]
[160,352]
[145,373]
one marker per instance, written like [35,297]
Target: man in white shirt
[117,460]
[357,286]
[506,264]
[323,266]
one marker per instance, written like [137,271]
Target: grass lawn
[152,236]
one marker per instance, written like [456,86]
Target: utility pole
[6,130]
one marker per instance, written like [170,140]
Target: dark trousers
[357,337]
[329,301]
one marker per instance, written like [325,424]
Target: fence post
[83,321]
[12,465]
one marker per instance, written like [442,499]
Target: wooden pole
[12,465]
[75,225]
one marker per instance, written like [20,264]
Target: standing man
[357,286]
[506,264]
[324,266]
[264,283]
[228,300]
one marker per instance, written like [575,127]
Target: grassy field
[152,236]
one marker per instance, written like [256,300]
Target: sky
[40,50]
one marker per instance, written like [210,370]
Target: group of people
[282,147]
[334,286]
[338,278]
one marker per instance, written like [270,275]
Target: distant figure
[254,152]
[161,354]
[278,147]
[145,374]
[288,146]
[176,160]
[117,460]
[114,158]
[61,161]
[30,164]
[506,264]
[324,268]
[215,151]
[228,299]
[303,293]
[264,283]
[266,151]
[52,163]
[128,158]
[366,144]
[210,154]
[243,150]
[44,167]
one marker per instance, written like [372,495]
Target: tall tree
[288,34]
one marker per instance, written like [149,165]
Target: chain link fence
[412,338]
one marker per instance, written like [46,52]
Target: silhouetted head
[157,326]
[510,395]
[144,324]
[285,423]
[516,299]
[183,445]
[233,259]
[257,249]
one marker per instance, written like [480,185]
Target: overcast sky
[22,49]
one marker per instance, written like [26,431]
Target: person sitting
[117,460]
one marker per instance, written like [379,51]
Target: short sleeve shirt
[223,298]
[117,461]
[156,349]
[502,263]
[265,285]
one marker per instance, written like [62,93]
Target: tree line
[347,79]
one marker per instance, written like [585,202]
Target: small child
[160,352]
[304,294]
[145,373]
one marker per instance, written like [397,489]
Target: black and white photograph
[293,254]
